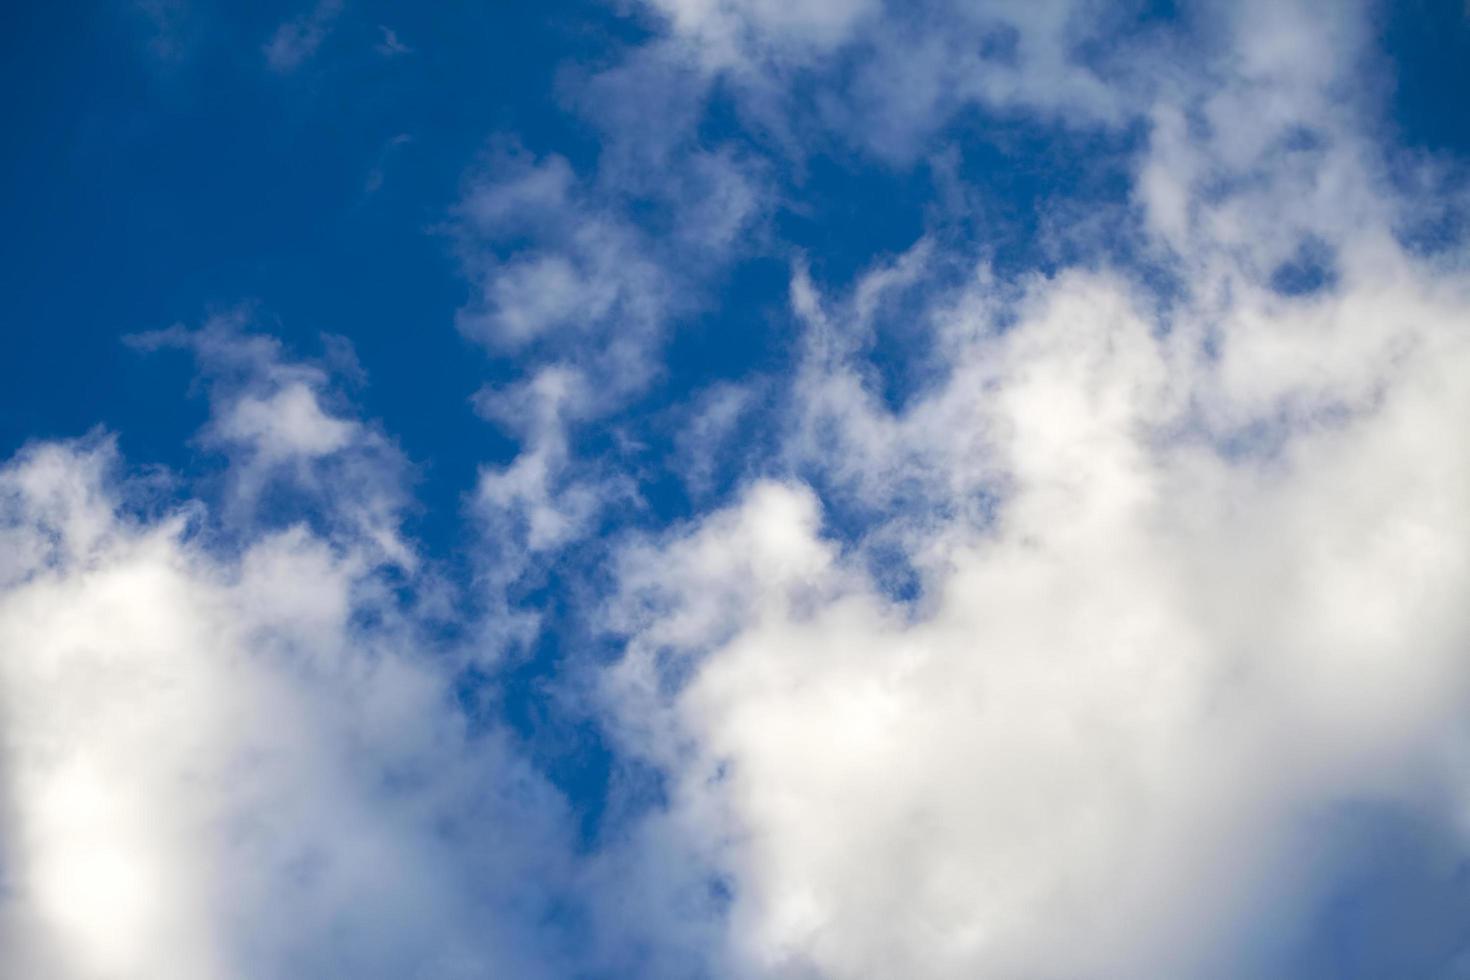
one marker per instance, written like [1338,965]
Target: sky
[794,489]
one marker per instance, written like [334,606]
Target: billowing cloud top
[981,491]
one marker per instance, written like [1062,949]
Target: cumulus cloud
[1188,578]
[236,756]
[1156,658]
[1057,663]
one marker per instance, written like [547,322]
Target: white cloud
[1191,568]
[585,296]
[1190,578]
[891,75]
[1113,703]
[536,501]
[240,763]
[232,756]
[559,259]
[722,29]
[289,423]
[589,278]
[281,424]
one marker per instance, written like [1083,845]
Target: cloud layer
[1033,618]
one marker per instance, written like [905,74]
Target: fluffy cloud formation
[1061,638]
[1117,700]
[238,756]
[1189,579]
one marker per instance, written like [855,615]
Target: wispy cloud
[391,46]
[295,41]
[168,19]
[379,171]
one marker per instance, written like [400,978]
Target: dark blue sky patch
[1428,45]
[893,573]
[1387,895]
[1034,196]
[1416,79]
[1437,233]
[1311,270]
[843,215]
[1114,32]
[522,695]
[747,332]
[900,362]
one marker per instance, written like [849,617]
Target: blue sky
[730,488]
